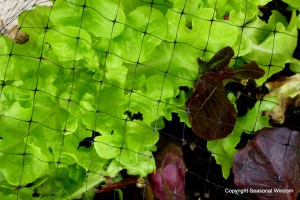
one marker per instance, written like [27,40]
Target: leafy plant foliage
[224,149]
[168,181]
[270,161]
[210,111]
[91,66]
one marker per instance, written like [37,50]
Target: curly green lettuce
[89,64]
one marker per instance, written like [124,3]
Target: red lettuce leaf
[219,61]
[168,182]
[270,161]
[210,112]
[248,71]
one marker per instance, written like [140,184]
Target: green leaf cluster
[90,62]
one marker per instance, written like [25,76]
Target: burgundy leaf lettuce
[168,182]
[210,111]
[270,161]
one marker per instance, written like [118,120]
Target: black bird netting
[149,99]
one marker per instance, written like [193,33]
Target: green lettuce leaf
[293,4]
[269,48]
